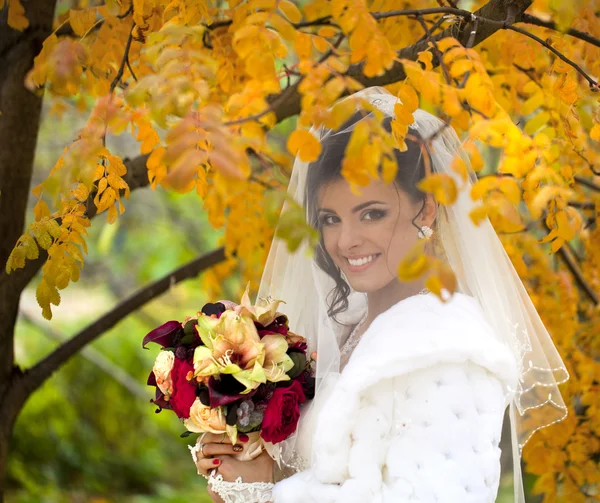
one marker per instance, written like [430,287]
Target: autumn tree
[203,84]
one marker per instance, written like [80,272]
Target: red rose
[184,391]
[282,413]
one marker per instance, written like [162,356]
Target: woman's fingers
[205,465]
[216,449]
[208,438]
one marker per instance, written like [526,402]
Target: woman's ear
[430,211]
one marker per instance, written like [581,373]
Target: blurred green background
[90,433]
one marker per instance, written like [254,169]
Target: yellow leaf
[304,144]
[595,132]
[409,98]
[82,20]
[540,120]
[426,57]
[327,32]
[40,232]
[447,43]
[81,192]
[285,29]
[415,263]
[460,167]
[389,168]
[303,45]
[442,186]
[16,260]
[37,190]
[16,15]
[41,210]
[31,249]
[290,11]
[533,103]
[474,156]
[111,216]
[460,67]
[47,294]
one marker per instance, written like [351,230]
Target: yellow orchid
[231,346]
[263,312]
[277,362]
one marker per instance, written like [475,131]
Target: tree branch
[136,177]
[571,264]
[592,83]
[94,356]
[34,377]
[124,60]
[551,25]
[287,103]
[492,18]
[587,183]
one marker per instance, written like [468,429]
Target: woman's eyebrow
[364,205]
[355,209]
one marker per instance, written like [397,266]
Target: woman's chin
[364,285]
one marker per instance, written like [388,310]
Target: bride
[411,389]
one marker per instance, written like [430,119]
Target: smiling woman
[365,233]
[412,385]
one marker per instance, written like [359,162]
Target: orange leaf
[16,15]
[304,144]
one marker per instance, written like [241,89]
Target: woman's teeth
[361,261]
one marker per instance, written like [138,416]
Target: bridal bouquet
[233,369]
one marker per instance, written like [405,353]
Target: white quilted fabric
[449,417]
[416,415]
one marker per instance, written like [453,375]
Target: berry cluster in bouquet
[233,369]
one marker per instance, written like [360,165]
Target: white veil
[482,268]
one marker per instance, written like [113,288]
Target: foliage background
[90,434]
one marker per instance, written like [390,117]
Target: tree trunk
[19,124]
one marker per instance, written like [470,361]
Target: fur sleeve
[430,436]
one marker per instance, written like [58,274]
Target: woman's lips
[362,264]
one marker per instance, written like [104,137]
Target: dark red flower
[184,391]
[282,413]
[298,346]
[163,335]
[226,390]
[159,398]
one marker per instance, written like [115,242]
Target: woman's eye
[374,215]
[329,220]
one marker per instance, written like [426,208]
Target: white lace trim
[239,491]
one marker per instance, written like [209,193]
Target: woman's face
[367,235]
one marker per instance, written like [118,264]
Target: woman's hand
[218,452]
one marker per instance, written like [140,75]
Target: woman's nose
[348,238]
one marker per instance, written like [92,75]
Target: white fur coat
[416,414]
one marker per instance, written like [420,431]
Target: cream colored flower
[162,371]
[232,346]
[277,363]
[204,419]
[263,312]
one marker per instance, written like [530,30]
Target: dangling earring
[425,233]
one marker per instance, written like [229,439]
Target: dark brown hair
[328,167]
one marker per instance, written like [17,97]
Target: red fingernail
[243,438]
[216,461]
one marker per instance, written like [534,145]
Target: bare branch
[587,183]
[94,356]
[492,17]
[551,25]
[571,264]
[124,60]
[593,84]
[35,376]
